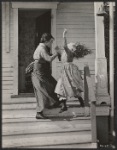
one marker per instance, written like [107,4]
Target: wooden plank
[84,145]
[91,90]
[78,14]
[44,127]
[32,105]
[7,82]
[7,78]
[15,50]
[7,87]
[19,106]
[28,113]
[77,6]
[37,5]
[45,139]
[6,65]
[6,58]
[53,31]
[7,92]
[93,122]
[81,120]
[81,37]
[7,69]
[5,96]
[7,74]
[78,39]
[89,44]
[66,10]
[76,35]
[7,32]
[90,96]
[73,31]
[20,100]
[66,17]
[76,23]
[71,112]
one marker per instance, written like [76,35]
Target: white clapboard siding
[77,7]
[78,18]
[78,14]
[7,83]
[7,57]
[7,92]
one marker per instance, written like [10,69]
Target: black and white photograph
[58,74]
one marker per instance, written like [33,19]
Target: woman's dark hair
[46,37]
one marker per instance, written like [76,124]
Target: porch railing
[90,101]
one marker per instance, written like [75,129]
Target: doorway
[32,24]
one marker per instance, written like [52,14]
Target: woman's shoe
[81,101]
[63,109]
[40,115]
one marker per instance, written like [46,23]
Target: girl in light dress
[70,83]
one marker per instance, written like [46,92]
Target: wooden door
[42,25]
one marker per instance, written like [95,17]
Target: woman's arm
[47,57]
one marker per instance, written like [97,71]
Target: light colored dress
[70,83]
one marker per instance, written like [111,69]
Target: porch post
[53,31]
[15,50]
[111,65]
[100,60]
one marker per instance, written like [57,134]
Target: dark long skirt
[44,85]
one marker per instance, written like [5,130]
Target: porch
[21,129]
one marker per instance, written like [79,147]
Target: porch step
[37,140]
[47,133]
[80,145]
[31,105]
[29,113]
[22,100]
[20,128]
[26,108]
[45,126]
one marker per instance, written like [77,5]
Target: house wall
[78,18]
[7,49]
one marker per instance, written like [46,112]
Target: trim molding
[38,5]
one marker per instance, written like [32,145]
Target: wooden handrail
[90,100]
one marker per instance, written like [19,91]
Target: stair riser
[81,120]
[28,100]
[29,106]
[22,129]
[84,145]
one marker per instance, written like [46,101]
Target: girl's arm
[65,41]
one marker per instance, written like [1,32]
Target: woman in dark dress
[43,82]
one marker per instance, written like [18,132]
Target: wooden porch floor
[20,128]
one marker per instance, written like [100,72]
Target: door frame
[30,5]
